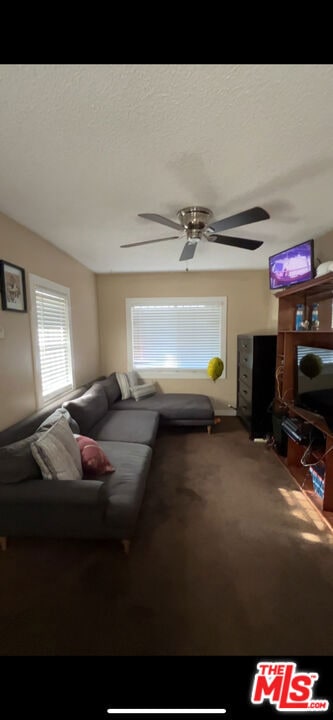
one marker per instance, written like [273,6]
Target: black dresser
[256,360]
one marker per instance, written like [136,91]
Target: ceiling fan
[196,223]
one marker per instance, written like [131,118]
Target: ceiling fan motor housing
[195,220]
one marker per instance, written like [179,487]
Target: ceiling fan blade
[252,215]
[147,242]
[235,242]
[161,219]
[188,251]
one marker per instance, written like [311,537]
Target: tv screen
[292,266]
[314,390]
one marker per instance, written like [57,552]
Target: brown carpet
[229,559]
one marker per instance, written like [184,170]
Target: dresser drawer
[245,357]
[244,407]
[245,390]
[245,344]
[245,376]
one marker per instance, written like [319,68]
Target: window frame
[174,373]
[37,282]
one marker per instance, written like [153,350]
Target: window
[175,337]
[51,332]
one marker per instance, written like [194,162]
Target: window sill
[57,397]
[170,375]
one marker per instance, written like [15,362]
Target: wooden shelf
[318,286]
[319,290]
[303,481]
[313,333]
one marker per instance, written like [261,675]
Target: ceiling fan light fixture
[193,236]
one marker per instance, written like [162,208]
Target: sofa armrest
[39,491]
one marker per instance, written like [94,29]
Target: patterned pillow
[143,391]
[93,459]
[124,385]
[57,453]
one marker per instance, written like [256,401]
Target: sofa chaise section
[174,408]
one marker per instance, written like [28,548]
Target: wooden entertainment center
[319,290]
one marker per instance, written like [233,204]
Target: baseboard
[224,411]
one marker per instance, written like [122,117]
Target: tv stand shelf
[313,418]
[319,290]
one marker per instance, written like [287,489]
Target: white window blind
[175,336]
[52,339]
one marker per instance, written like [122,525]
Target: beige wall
[323,248]
[251,307]
[22,247]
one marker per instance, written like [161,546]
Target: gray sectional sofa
[105,507]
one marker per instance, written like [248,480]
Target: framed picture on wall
[12,287]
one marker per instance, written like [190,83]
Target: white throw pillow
[57,453]
[142,391]
[133,378]
[124,385]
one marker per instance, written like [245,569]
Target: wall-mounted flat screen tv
[292,266]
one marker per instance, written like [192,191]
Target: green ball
[311,365]
[215,368]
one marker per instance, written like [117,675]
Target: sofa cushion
[54,417]
[129,426]
[124,385]
[88,409]
[122,492]
[93,459]
[111,388]
[17,462]
[57,453]
[141,391]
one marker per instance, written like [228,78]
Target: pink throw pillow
[93,459]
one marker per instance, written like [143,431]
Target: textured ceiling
[85,148]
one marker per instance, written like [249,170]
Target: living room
[77,170]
